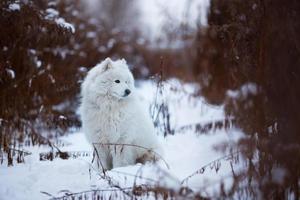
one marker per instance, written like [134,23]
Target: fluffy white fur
[109,115]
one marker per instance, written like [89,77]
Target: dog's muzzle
[127,92]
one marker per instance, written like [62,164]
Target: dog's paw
[148,156]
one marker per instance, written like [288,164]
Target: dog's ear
[123,61]
[107,64]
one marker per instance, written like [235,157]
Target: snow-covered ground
[185,152]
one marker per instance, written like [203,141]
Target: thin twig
[26,153]
[96,151]
[201,170]
[134,175]
[88,191]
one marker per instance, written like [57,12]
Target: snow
[62,117]
[91,34]
[185,153]
[82,69]
[102,49]
[61,21]
[38,63]
[11,73]
[53,14]
[14,7]
[278,175]
[111,42]
[184,108]
[243,92]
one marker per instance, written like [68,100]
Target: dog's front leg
[102,157]
[123,156]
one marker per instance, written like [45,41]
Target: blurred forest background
[246,56]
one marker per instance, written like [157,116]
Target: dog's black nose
[127,92]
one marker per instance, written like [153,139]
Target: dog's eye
[117,81]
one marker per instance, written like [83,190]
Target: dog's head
[109,78]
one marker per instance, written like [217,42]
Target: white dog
[111,114]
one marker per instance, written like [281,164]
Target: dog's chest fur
[109,120]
